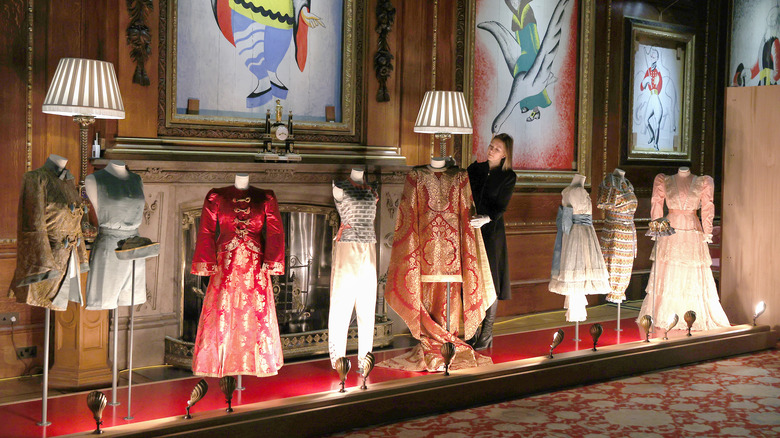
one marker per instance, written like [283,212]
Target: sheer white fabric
[582,269]
[681,278]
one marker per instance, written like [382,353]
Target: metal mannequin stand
[134,248]
[618,329]
[576,331]
[114,370]
[45,397]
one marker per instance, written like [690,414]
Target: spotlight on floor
[96,401]
[342,368]
[760,309]
[595,332]
[366,365]
[646,322]
[673,320]
[447,352]
[228,384]
[690,318]
[557,339]
[198,392]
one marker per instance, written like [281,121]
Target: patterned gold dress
[434,243]
[618,240]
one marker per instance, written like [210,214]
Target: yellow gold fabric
[49,233]
[434,241]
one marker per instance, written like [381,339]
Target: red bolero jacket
[238,216]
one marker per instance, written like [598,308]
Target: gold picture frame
[173,123]
[658,82]
[584,100]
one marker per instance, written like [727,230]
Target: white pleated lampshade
[443,112]
[84,87]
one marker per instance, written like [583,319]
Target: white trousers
[352,286]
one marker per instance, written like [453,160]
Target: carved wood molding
[383,59]
[139,37]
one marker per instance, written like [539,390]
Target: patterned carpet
[739,397]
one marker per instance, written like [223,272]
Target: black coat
[492,191]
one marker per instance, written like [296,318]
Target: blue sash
[564,221]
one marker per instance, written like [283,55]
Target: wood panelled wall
[96,29]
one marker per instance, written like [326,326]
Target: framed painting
[658,83]
[227,63]
[755,43]
[531,77]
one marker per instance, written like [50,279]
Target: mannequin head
[438,162]
[60,161]
[356,175]
[242,181]
[578,180]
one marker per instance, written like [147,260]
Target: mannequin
[117,195]
[355,175]
[353,273]
[47,274]
[60,161]
[681,277]
[242,181]
[438,162]
[578,264]
[618,239]
[433,214]
[114,167]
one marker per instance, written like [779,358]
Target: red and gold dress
[238,332]
[434,243]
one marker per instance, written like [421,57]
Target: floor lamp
[443,113]
[86,90]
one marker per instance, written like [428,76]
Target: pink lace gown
[681,278]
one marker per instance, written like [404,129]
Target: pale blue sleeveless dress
[120,212]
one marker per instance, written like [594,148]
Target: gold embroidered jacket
[49,231]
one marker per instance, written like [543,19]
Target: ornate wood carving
[383,59]
[139,37]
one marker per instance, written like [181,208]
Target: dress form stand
[60,162]
[45,394]
[119,170]
[622,174]
[241,183]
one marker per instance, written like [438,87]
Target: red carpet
[69,413]
[738,397]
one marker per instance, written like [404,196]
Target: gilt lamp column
[86,90]
[443,113]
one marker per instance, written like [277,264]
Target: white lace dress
[681,278]
[581,270]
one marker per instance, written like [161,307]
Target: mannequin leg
[366,301]
[344,286]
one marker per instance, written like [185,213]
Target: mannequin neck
[357,176]
[684,171]
[438,162]
[578,180]
[242,181]
[620,172]
[118,169]
[58,160]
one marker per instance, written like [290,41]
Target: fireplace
[302,293]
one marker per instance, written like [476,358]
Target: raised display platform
[303,399]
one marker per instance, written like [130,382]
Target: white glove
[708,238]
[478,221]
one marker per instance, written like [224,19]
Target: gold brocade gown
[433,244]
